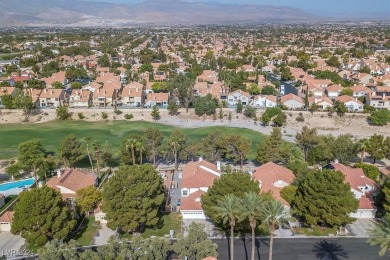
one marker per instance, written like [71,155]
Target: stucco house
[353,104]
[264,101]
[238,95]
[292,101]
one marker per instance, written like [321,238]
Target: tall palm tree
[96,147]
[228,210]
[275,213]
[175,146]
[380,235]
[362,146]
[140,145]
[252,209]
[88,140]
[131,144]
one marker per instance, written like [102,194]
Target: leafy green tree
[133,197]
[265,119]
[56,249]
[270,149]
[323,197]
[386,194]
[71,150]
[31,156]
[361,146]
[239,107]
[343,147]
[151,248]
[347,91]
[172,108]
[285,73]
[205,105]
[25,103]
[236,183]
[104,61]
[56,85]
[155,113]
[154,139]
[40,216]
[252,210]
[380,117]
[13,169]
[340,108]
[109,155]
[333,62]
[228,211]
[275,214]
[288,193]
[380,235]
[369,170]
[63,113]
[307,140]
[183,86]
[196,245]
[376,147]
[365,69]
[158,87]
[268,90]
[88,199]
[237,148]
[7,101]
[75,85]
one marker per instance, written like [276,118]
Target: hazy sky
[318,6]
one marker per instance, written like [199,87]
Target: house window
[185,192]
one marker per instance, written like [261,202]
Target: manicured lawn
[8,200]
[169,221]
[51,133]
[315,231]
[86,232]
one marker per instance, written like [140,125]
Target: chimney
[200,159]
[218,165]
[336,161]
[59,173]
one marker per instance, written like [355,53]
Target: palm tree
[252,209]
[228,210]
[275,213]
[88,141]
[96,147]
[175,146]
[140,145]
[362,146]
[131,143]
[380,235]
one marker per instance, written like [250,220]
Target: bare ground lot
[355,124]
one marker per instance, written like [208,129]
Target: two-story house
[264,101]
[80,98]
[157,99]
[104,97]
[238,96]
[52,98]
[351,103]
[132,96]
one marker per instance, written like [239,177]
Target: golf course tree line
[195,245]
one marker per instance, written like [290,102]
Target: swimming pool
[16,185]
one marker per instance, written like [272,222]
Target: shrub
[300,118]
[117,111]
[250,112]
[104,115]
[63,113]
[81,115]
[129,116]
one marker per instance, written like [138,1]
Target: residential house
[100,215]
[363,188]
[197,177]
[158,99]
[363,78]
[333,91]
[208,76]
[6,221]
[360,91]
[238,95]
[80,98]
[52,98]
[353,104]
[56,77]
[292,101]
[6,91]
[104,97]
[264,101]
[132,96]
[273,178]
[378,101]
[34,94]
[69,181]
[322,102]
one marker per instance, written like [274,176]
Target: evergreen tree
[307,140]
[376,147]
[71,150]
[239,107]
[31,156]
[41,215]
[236,183]
[237,148]
[88,199]
[196,245]
[270,149]
[154,139]
[386,194]
[323,197]
[172,108]
[133,197]
[155,113]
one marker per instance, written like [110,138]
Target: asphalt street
[302,249]
[287,86]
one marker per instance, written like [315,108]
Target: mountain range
[88,13]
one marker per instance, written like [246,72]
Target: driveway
[359,227]
[103,235]
[10,245]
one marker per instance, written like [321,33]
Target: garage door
[5,227]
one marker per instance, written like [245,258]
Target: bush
[288,193]
[129,116]
[250,112]
[63,113]
[104,115]
[300,118]
[380,117]
[117,111]
[81,115]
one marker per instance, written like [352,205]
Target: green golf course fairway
[52,133]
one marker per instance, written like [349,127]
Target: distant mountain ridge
[88,13]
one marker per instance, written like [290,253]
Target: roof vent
[197,199]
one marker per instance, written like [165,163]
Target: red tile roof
[7,217]
[192,202]
[73,180]
[199,174]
